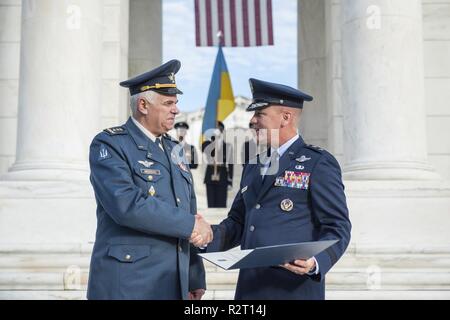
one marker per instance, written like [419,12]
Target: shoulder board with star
[114,131]
[314,148]
[169,137]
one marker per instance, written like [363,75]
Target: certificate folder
[266,256]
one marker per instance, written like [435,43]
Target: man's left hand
[301,267]
[196,294]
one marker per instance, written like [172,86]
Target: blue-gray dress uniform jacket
[145,216]
[282,210]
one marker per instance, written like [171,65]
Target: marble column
[312,69]
[10,16]
[383,90]
[59,94]
[114,100]
[145,50]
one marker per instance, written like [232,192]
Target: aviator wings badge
[146,164]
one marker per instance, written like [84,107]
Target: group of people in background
[218,177]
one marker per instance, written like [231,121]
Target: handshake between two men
[202,233]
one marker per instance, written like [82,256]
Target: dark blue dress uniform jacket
[256,219]
[145,216]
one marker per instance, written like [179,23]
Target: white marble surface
[436,18]
[9,80]
[312,70]
[59,88]
[377,272]
[383,91]
[145,36]
[334,78]
[42,212]
[436,15]
[229,294]
[114,99]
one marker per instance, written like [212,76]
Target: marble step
[356,295]
[57,261]
[229,295]
[339,279]
[63,270]
[359,280]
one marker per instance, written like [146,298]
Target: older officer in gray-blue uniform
[295,196]
[146,205]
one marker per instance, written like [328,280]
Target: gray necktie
[159,143]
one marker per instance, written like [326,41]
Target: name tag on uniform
[292,179]
[151,171]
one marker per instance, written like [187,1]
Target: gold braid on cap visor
[158,86]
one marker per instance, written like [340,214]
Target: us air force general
[296,195]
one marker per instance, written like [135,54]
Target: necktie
[270,167]
[159,143]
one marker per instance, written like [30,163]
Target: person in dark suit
[146,204]
[297,195]
[219,169]
[189,150]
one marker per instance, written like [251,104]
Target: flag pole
[220,37]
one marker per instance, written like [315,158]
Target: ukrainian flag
[220,101]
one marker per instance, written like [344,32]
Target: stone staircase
[370,272]
[368,276]
[384,270]
[60,272]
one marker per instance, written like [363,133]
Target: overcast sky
[276,63]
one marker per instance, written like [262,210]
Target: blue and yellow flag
[220,101]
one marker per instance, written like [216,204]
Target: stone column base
[390,171]
[399,213]
[51,212]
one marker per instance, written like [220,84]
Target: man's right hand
[202,233]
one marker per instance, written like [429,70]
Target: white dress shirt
[280,152]
[147,133]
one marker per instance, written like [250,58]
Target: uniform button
[180,248]
[252,228]
[127,257]
[258,206]
[178,200]
[150,178]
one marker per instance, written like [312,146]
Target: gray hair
[134,100]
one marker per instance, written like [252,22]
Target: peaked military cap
[161,80]
[181,124]
[267,93]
